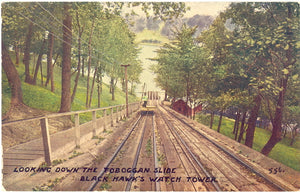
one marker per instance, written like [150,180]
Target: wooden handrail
[45,127]
[61,114]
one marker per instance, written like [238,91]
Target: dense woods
[245,64]
[64,32]
[82,38]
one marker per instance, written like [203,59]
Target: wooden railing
[119,111]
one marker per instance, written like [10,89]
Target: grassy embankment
[42,98]
[282,152]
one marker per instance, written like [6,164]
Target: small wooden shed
[182,107]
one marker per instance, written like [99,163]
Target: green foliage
[181,66]
[41,97]
[44,99]
[98,138]
[149,147]
[162,10]
[254,49]
[282,152]
[48,186]
[104,186]
[75,154]
[57,162]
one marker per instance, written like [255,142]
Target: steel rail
[157,186]
[93,185]
[229,153]
[217,187]
[137,154]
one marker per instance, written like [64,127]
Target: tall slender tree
[65,105]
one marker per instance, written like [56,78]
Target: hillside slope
[39,100]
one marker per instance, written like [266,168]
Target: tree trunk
[220,121]
[92,88]
[39,62]
[99,86]
[131,87]
[284,133]
[88,83]
[187,97]
[166,95]
[49,61]
[42,79]
[235,122]
[294,134]
[33,61]
[123,84]
[26,58]
[76,82]
[99,95]
[277,121]
[12,77]
[212,119]
[242,129]
[66,61]
[110,86]
[237,125]
[82,74]
[89,66]
[79,58]
[17,52]
[252,121]
[112,89]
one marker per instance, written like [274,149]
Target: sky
[196,7]
[206,8]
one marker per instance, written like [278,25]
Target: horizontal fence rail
[109,115]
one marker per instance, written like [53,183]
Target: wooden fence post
[105,121]
[46,140]
[77,130]
[94,123]
[130,109]
[121,109]
[111,117]
[124,112]
[120,113]
[117,113]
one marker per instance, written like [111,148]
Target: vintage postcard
[150,96]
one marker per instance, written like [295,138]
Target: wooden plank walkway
[32,153]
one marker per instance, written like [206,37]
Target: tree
[13,77]
[49,61]
[134,72]
[272,42]
[182,66]
[288,47]
[26,58]
[13,27]
[119,47]
[39,63]
[80,30]
[65,105]
[31,17]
